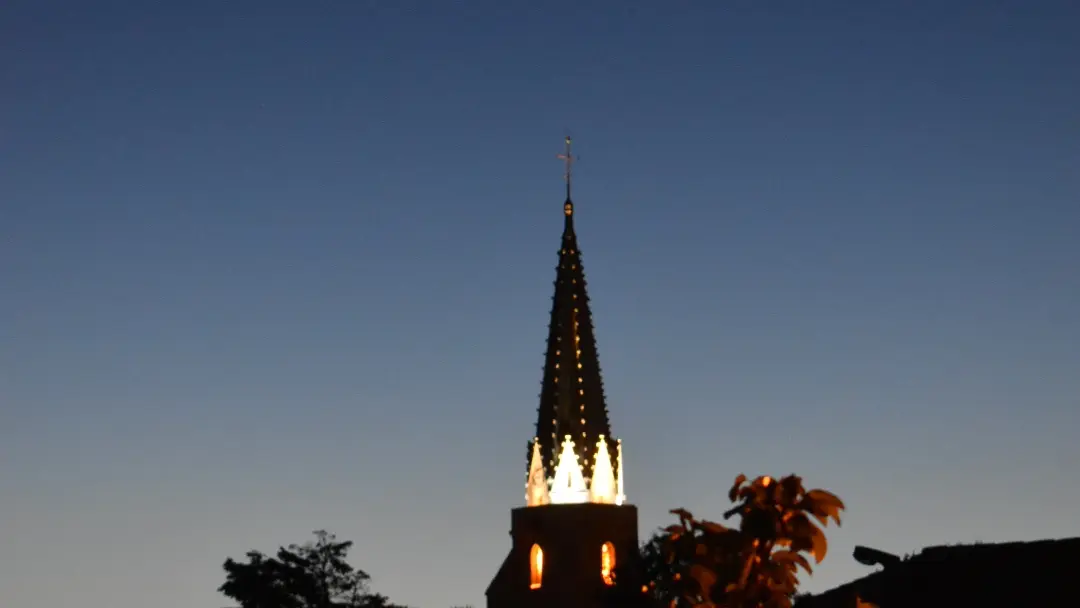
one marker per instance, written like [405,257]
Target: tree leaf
[820,513]
[674,529]
[713,528]
[705,578]
[683,515]
[791,490]
[799,529]
[791,557]
[825,504]
[739,481]
[820,545]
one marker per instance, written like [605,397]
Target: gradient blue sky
[275,266]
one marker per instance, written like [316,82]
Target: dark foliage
[312,575]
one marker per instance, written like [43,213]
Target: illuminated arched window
[536,567]
[607,563]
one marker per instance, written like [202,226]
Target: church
[575,542]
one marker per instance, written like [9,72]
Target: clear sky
[273,266]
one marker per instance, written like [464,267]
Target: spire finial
[569,159]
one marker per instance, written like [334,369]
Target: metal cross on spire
[569,159]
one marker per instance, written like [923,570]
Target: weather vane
[569,159]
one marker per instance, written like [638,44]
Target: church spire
[575,541]
[572,402]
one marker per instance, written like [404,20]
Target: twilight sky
[275,266]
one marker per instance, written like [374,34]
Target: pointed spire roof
[572,394]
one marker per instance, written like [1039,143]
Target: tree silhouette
[702,563]
[312,575]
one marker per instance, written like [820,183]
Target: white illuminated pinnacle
[536,489]
[568,485]
[602,489]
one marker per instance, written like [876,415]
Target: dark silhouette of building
[575,543]
[1014,574]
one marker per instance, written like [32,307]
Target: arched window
[607,563]
[536,567]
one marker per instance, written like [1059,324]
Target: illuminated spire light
[602,489]
[536,489]
[568,485]
[620,495]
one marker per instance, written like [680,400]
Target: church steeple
[572,402]
[575,542]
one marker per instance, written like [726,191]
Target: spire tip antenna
[568,158]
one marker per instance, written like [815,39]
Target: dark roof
[986,574]
[572,391]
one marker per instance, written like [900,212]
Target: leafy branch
[754,565]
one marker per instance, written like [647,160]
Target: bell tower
[575,542]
